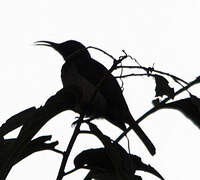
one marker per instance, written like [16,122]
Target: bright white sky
[162,32]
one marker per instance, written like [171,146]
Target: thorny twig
[92,47]
[150,70]
[146,74]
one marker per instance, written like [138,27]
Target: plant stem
[66,154]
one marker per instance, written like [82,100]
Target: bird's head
[67,49]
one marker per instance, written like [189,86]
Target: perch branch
[66,154]
[154,109]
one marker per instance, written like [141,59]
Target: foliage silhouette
[64,99]
[116,162]
[38,144]
[16,121]
[100,165]
[190,107]
[119,164]
[162,87]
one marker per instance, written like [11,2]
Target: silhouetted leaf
[94,159]
[137,164]
[100,175]
[38,144]
[102,167]
[121,163]
[16,121]
[116,153]
[64,99]
[162,87]
[190,107]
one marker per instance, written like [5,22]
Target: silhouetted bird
[81,70]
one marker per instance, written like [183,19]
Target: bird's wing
[94,72]
[118,111]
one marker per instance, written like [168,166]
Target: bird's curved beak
[46,43]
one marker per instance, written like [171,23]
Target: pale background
[162,32]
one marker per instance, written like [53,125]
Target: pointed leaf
[94,159]
[100,162]
[16,121]
[190,107]
[101,175]
[38,144]
[116,153]
[139,165]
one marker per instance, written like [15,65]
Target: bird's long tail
[138,130]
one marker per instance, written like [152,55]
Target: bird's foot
[87,120]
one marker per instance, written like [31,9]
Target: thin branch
[122,82]
[172,76]
[57,151]
[175,78]
[154,109]
[85,132]
[71,171]
[133,74]
[92,47]
[153,75]
[66,154]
